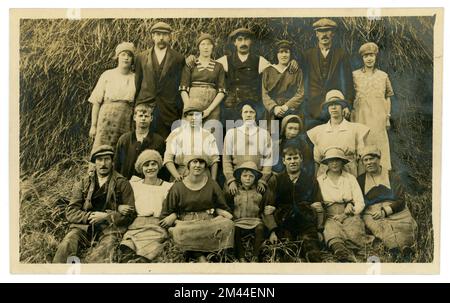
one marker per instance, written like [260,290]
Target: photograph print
[217,141]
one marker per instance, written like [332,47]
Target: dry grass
[61,60]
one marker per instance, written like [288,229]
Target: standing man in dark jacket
[296,213]
[326,67]
[94,211]
[158,73]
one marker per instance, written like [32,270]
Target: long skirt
[203,232]
[396,231]
[145,237]
[114,119]
[351,231]
[204,96]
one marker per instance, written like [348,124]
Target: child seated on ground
[248,206]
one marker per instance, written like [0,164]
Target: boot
[342,253]
[314,256]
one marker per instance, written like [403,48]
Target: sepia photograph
[225,141]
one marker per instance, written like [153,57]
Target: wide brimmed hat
[102,150]
[145,156]
[334,153]
[205,36]
[368,48]
[370,150]
[334,96]
[240,31]
[249,165]
[290,119]
[324,24]
[188,158]
[161,27]
[124,46]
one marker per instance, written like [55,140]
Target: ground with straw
[61,60]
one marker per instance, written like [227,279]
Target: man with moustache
[157,78]
[94,214]
[243,73]
[296,213]
[326,67]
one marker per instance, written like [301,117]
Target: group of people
[304,158]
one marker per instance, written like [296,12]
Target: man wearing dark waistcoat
[326,67]
[243,73]
[157,78]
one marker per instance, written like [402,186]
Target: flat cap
[240,31]
[324,24]
[102,150]
[162,27]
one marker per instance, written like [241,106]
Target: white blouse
[114,86]
[149,198]
[184,141]
[345,190]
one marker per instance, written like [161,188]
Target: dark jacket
[380,193]
[292,203]
[128,150]
[316,87]
[88,196]
[163,92]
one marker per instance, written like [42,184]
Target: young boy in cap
[248,205]
[93,211]
[131,144]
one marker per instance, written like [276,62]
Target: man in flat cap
[158,74]
[326,67]
[94,214]
[243,73]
